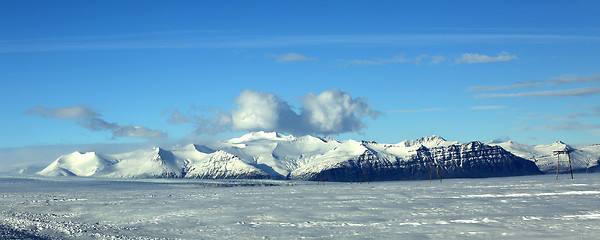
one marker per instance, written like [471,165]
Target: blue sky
[166,72]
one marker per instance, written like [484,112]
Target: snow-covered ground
[528,207]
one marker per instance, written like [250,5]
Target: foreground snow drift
[530,207]
[263,155]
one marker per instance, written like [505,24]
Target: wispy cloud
[395,59]
[216,39]
[569,79]
[487,107]
[570,125]
[561,80]
[522,129]
[517,85]
[416,111]
[360,62]
[578,92]
[64,113]
[568,116]
[500,139]
[418,60]
[400,59]
[176,118]
[291,57]
[481,58]
[595,109]
[435,60]
[89,119]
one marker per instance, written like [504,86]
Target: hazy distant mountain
[261,155]
[583,159]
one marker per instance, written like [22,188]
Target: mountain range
[271,155]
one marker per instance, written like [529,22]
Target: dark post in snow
[364,174]
[438,170]
[320,179]
[568,152]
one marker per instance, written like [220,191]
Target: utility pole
[438,170]
[568,152]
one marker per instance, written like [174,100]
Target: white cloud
[561,80]
[522,129]
[568,79]
[359,62]
[198,39]
[335,111]
[487,107]
[420,58]
[435,60]
[568,116]
[177,118]
[64,113]
[570,125]
[595,109]
[396,59]
[578,92]
[480,58]
[261,111]
[517,85]
[97,124]
[216,121]
[291,57]
[329,112]
[90,119]
[137,132]
[501,139]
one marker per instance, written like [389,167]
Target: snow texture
[526,207]
[270,155]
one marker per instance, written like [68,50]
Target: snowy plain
[527,207]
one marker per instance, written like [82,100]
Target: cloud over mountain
[335,111]
[329,112]
[262,111]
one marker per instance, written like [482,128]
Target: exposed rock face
[223,165]
[275,156]
[456,161]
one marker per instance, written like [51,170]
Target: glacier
[271,155]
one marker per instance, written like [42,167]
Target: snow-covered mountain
[261,155]
[583,159]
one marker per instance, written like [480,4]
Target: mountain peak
[194,147]
[261,135]
[429,141]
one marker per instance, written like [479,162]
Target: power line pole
[438,170]
[568,152]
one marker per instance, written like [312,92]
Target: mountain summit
[270,155]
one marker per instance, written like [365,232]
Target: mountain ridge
[260,155]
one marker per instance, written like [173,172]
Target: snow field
[529,207]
